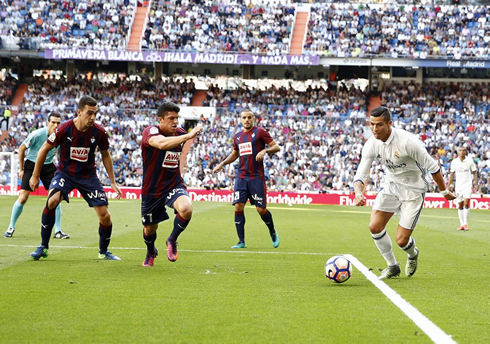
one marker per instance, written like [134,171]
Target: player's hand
[196,130]
[21,174]
[260,155]
[34,183]
[116,188]
[450,196]
[217,168]
[360,200]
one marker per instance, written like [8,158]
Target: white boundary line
[429,328]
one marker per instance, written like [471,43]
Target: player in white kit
[406,163]
[463,167]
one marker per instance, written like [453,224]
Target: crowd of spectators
[257,27]
[399,30]
[329,101]
[124,110]
[215,27]
[320,152]
[55,24]
[7,91]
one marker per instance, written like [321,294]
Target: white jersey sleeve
[367,157]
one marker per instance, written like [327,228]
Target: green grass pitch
[213,294]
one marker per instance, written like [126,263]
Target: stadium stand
[399,30]
[321,125]
[321,147]
[58,24]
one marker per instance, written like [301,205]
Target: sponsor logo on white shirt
[245,148]
[171,159]
[79,153]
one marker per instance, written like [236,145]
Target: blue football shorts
[253,190]
[153,210]
[90,188]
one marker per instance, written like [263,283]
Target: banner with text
[154,56]
[290,198]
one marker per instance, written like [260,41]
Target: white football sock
[461,217]
[385,247]
[466,215]
[410,248]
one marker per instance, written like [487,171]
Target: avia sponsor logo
[171,159]
[79,153]
[97,195]
[245,148]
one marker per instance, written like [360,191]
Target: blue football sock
[240,225]
[150,241]
[16,211]
[57,221]
[105,233]
[47,223]
[267,218]
[180,224]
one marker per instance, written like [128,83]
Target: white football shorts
[399,200]
[462,193]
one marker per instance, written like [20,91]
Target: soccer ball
[338,269]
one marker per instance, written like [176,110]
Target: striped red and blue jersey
[77,148]
[161,168]
[248,144]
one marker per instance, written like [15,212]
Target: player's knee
[186,211]
[23,199]
[261,211]
[375,228]
[150,230]
[54,200]
[105,218]
[402,240]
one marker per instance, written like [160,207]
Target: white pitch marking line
[430,329]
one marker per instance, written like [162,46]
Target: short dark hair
[381,111]
[247,110]
[84,101]
[53,114]
[166,107]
